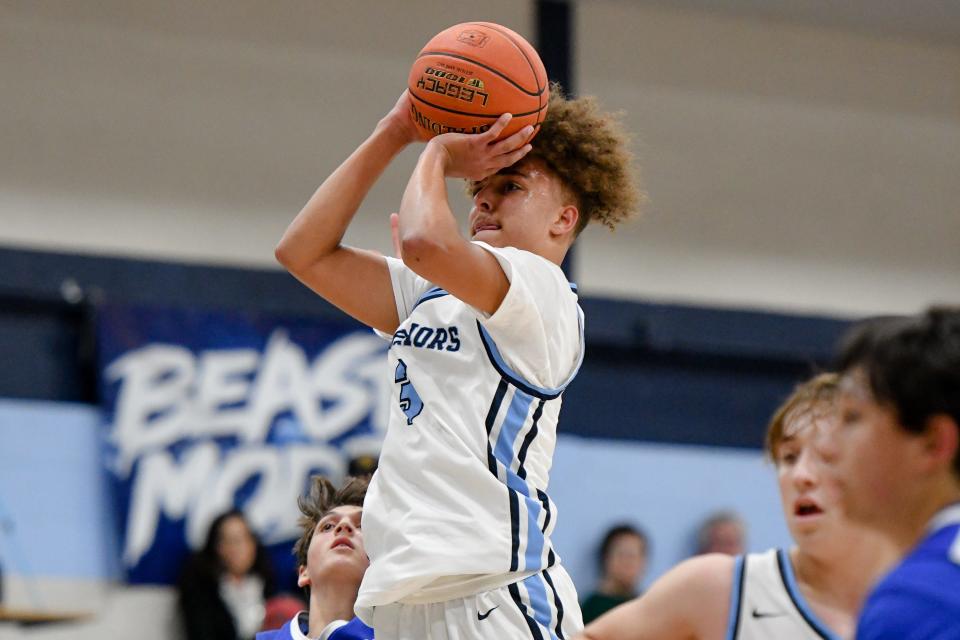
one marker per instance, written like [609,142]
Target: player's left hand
[475,156]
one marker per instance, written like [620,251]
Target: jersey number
[410,402]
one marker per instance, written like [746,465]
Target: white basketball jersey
[766,602]
[458,504]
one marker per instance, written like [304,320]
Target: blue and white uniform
[458,508]
[920,598]
[298,627]
[766,602]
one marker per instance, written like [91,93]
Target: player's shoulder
[705,576]
[923,591]
[283,633]
[353,630]
[932,566]
[891,614]
[531,265]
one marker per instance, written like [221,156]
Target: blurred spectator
[623,563]
[224,587]
[723,532]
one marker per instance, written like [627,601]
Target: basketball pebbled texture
[469,74]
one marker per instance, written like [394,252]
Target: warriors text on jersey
[458,504]
[766,601]
[920,598]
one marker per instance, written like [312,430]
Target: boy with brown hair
[810,591]
[331,561]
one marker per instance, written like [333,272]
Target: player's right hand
[399,122]
[475,156]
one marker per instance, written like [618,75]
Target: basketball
[470,74]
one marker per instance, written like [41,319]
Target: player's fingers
[512,158]
[493,132]
[513,142]
[395,234]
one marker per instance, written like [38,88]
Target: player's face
[236,546]
[336,549]
[867,453]
[811,505]
[517,206]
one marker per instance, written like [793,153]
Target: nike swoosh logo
[483,616]
[764,614]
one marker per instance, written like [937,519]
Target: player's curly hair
[588,150]
[322,498]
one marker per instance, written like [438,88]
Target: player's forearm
[427,228]
[319,227]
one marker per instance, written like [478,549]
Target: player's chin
[493,237]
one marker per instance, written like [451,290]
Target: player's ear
[566,220]
[303,578]
[941,441]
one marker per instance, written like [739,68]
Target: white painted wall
[790,166]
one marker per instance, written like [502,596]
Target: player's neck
[333,600]
[913,519]
[842,578]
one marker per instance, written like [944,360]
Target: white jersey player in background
[485,335]
[813,590]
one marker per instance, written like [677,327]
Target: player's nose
[806,472]
[484,199]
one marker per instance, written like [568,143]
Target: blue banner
[210,410]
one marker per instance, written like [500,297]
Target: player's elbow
[293,258]
[286,256]
[421,252]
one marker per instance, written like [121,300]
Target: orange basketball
[470,74]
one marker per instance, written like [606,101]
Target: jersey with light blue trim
[459,503]
[766,601]
[920,598]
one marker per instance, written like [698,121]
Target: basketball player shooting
[485,333]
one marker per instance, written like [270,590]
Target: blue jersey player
[332,560]
[895,456]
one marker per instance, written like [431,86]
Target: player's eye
[512,186]
[849,417]
[788,458]
[326,526]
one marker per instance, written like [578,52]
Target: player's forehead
[801,424]
[528,168]
[345,510]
